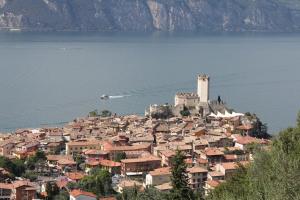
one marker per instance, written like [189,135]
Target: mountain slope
[151,15]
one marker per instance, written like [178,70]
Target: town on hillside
[131,151]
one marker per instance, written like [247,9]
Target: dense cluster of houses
[213,152]
[137,150]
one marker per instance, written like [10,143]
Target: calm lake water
[48,79]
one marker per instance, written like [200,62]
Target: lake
[47,79]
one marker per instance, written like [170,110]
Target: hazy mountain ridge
[151,15]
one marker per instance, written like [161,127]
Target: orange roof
[75,175]
[92,162]
[109,163]
[17,184]
[213,152]
[248,140]
[213,183]
[95,152]
[58,157]
[76,193]
[130,148]
[160,171]
[216,174]
[138,160]
[7,186]
[230,157]
[196,170]
[230,165]
[107,146]
[168,153]
[233,165]
[66,162]
[202,161]
[84,143]
[188,161]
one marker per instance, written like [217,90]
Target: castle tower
[203,88]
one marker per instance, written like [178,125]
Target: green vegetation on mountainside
[274,174]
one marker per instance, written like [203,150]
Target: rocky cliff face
[151,15]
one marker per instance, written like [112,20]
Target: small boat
[104,97]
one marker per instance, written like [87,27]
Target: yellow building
[76,147]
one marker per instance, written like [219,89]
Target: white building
[197,177]
[158,176]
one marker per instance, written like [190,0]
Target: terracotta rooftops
[6,186]
[196,170]
[136,160]
[248,139]
[233,165]
[58,157]
[168,153]
[214,183]
[66,162]
[75,175]
[213,152]
[84,143]
[129,148]
[160,171]
[109,163]
[76,193]
[94,152]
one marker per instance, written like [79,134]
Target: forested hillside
[274,174]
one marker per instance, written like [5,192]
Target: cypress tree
[181,189]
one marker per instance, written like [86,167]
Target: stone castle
[198,103]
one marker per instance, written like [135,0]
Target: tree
[52,190]
[40,155]
[16,166]
[79,159]
[32,176]
[150,193]
[120,156]
[274,174]
[181,189]
[185,112]
[63,195]
[99,183]
[32,161]
[93,113]
[105,113]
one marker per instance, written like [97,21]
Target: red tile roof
[136,160]
[75,175]
[7,186]
[196,170]
[76,193]
[161,171]
[213,183]
[213,152]
[109,163]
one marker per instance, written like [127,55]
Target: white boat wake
[118,96]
